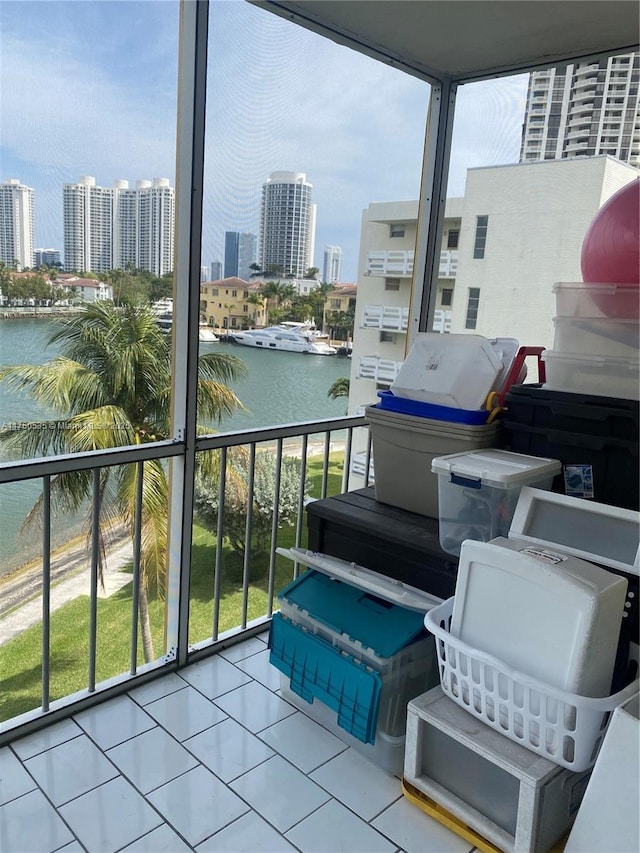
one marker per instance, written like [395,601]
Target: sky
[89,88]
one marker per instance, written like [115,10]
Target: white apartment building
[16,224]
[287,224]
[583,110]
[385,273]
[332,265]
[114,227]
[517,230]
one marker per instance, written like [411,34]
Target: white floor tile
[416,832]
[333,827]
[243,650]
[157,689]
[70,769]
[358,783]
[214,676]
[249,834]
[280,793]
[14,779]
[185,713]
[53,735]
[302,742]
[160,840]
[197,804]
[31,824]
[151,759]
[109,817]
[114,722]
[254,706]
[228,750]
[258,667]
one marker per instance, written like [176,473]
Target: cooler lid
[499,468]
[604,534]
[365,579]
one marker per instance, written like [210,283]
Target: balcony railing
[394,263]
[233,597]
[448,267]
[380,370]
[386,318]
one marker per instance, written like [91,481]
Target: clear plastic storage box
[478,492]
[595,374]
[596,336]
[576,299]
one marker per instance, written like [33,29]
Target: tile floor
[209,760]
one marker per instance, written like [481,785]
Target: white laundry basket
[563,727]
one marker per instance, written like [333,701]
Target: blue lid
[389,402]
[377,624]
[316,669]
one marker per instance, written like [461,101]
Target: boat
[206,335]
[287,337]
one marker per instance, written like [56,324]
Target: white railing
[448,267]
[395,263]
[330,442]
[386,318]
[381,370]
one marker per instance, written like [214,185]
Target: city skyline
[112,111]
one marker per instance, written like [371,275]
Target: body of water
[281,388]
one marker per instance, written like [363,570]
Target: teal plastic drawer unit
[358,653]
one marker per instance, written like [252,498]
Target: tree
[255,299]
[236,500]
[340,388]
[312,272]
[111,386]
[256,270]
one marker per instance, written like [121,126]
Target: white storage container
[576,299]
[546,614]
[478,492]
[404,447]
[564,727]
[600,375]
[596,336]
[449,370]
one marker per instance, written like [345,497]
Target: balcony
[386,318]
[380,370]
[448,267]
[394,263]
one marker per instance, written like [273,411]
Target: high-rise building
[584,109]
[116,227]
[46,258]
[16,224]
[240,251]
[332,267]
[216,270]
[287,224]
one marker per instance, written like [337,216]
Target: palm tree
[340,388]
[111,386]
[255,299]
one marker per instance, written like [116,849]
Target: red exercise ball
[611,252]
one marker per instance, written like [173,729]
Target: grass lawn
[21,658]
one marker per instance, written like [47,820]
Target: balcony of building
[197,748]
[386,318]
[395,263]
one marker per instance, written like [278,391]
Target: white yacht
[206,335]
[287,336]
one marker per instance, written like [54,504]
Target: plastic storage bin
[596,336]
[449,370]
[563,727]
[591,435]
[361,655]
[404,406]
[575,299]
[404,447]
[544,613]
[478,492]
[515,800]
[595,374]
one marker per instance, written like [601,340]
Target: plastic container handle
[457,480]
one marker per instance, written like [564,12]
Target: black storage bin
[577,429]
[394,542]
